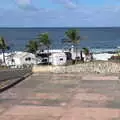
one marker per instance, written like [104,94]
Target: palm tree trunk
[81,56]
[76,54]
[48,55]
[3,52]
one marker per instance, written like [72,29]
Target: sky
[59,13]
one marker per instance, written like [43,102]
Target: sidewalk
[62,97]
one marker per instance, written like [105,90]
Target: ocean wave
[104,50]
[118,47]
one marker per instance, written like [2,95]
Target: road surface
[13,73]
[62,97]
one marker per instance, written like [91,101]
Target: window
[13,60]
[61,59]
[28,59]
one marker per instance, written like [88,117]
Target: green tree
[32,46]
[44,40]
[3,47]
[72,37]
[86,51]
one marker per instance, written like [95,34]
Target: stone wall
[98,67]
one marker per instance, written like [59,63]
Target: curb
[15,82]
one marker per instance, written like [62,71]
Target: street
[9,74]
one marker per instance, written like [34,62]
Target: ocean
[96,39]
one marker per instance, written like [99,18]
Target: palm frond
[72,36]
[32,46]
[44,39]
[3,44]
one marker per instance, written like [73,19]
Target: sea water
[96,39]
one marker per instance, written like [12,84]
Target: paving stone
[10,117]
[91,96]
[91,114]
[89,77]
[62,97]
[34,110]
[31,102]
[2,109]
[39,118]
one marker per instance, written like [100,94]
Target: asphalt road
[13,73]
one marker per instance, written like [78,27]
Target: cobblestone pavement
[49,96]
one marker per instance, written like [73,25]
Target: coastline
[104,53]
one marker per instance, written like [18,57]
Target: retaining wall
[98,67]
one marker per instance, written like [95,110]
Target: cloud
[67,3]
[23,2]
[26,5]
[84,16]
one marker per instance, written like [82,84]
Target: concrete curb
[16,81]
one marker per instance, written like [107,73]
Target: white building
[1,57]
[59,58]
[54,57]
[19,59]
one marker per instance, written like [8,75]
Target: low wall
[38,68]
[98,67]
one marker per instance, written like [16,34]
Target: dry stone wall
[97,67]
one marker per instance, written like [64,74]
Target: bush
[115,58]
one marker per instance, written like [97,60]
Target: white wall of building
[19,59]
[58,58]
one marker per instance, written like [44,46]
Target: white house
[59,58]
[1,57]
[18,59]
[55,57]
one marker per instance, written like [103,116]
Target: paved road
[62,97]
[12,73]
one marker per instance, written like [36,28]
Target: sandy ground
[48,96]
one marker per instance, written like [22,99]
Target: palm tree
[73,38]
[86,51]
[88,55]
[3,47]
[44,40]
[32,46]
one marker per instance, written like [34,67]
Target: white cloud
[82,16]
[66,3]
[25,4]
